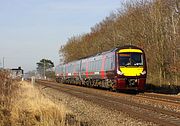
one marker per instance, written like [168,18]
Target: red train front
[131,68]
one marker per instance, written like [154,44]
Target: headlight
[119,72]
[144,72]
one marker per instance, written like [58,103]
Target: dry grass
[22,104]
[7,88]
[32,108]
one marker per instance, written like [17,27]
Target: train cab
[131,68]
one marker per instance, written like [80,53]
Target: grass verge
[30,107]
[22,104]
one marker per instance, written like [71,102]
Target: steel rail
[136,110]
[170,99]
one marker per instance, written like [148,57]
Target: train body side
[99,70]
[108,69]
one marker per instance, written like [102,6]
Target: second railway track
[160,97]
[136,110]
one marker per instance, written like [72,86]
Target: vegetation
[7,88]
[45,68]
[21,104]
[30,107]
[153,25]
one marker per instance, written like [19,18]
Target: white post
[32,80]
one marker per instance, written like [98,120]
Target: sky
[31,30]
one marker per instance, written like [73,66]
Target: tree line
[153,25]
[45,68]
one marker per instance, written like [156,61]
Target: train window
[107,64]
[97,65]
[93,66]
[83,66]
[77,67]
[71,68]
[110,63]
[66,68]
[131,59]
[90,66]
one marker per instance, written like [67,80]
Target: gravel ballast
[89,113]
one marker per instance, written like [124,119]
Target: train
[121,68]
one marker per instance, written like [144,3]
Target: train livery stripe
[74,71]
[130,50]
[102,67]
[87,69]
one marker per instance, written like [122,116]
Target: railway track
[133,109]
[161,97]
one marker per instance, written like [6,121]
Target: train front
[131,69]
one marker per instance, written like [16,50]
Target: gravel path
[91,114]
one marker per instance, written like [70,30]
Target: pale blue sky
[34,29]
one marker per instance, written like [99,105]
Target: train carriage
[120,68]
[60,70]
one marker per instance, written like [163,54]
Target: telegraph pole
[3,61]
[44,70]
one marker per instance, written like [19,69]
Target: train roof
[117,48]
[106,52]
[128,47]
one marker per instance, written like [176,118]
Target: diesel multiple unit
[121,68]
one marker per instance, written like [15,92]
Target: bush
[7,87]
